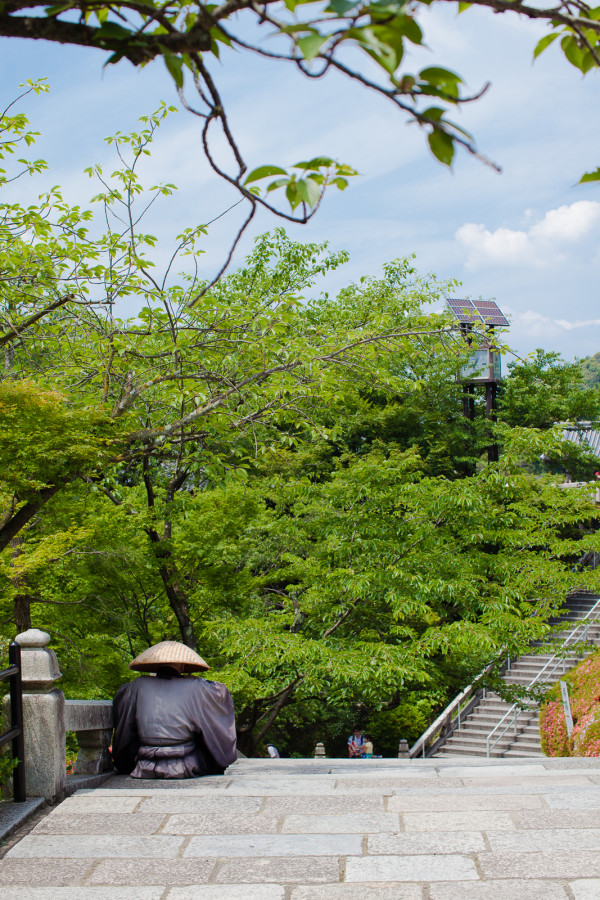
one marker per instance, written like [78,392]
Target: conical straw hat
[166,653]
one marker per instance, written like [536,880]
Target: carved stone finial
[33,638]
[320,751]
[403,751]
[39,665]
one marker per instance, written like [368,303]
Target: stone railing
[48,716]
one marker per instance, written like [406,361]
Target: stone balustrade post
[91,720]
[403,751]
[320,751]
[43,717]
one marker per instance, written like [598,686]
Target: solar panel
[490,312]
[464,311]
[477,312]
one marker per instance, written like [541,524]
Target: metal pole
[16,713]
[491,391]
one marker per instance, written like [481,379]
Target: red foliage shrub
[584,693]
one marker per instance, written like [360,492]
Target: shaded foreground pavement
[438,829]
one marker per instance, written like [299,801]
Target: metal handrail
[515,708]
[445,717]
[15,732]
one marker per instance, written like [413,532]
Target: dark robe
[173,727]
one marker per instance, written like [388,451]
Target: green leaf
[443,79]
[317,163]
[543,43]
[442,146]
[264,172]
[278,183]
[112,31]
[311,45]
[291,192]
[463,6]
[579,57]
[590,176]
[309,191]
[434,112]
[341,7]
[174,66]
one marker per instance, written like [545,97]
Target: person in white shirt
[356,744]
[273,751]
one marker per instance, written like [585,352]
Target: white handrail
[512,711]
[454,706]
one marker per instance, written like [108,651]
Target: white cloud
[537,324]
[541,244]
[567,223]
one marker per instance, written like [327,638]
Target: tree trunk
[22,613]
[180,606]
[22,601]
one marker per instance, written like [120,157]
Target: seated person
[170,725]
[356,743]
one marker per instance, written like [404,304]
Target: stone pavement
[435,829]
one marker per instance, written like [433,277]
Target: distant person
[170,724]
[356,743]
[368,746]
[273,751]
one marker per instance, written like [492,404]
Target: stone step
[460,750]
[503,743]
[547,668]
[529,731]
[482,717]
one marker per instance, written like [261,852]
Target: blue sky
[530,237]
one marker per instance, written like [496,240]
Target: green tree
[543,390]
[590,366]
[367,42]
[273,475]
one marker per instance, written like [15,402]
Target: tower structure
[478,319]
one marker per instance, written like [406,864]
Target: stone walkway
[439,829]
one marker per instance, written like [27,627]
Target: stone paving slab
[588,799]
[588,889]
[473,820]
[43,872]
[374,890]
[340,804]
[565,864]
[83,803]
[568,779]
[556,818]
[96,823]
[324,830]
[13,815]
[90,893]
[499,890]
[289,870]
[216,824]
[228,892]
[349,823]
[545,840]
[97,846]
[410,868]
[526,786]
[275,845]
[176,803]
[288,785]
[459,801]
[118,872]
[426,842]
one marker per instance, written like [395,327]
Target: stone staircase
[522,739]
